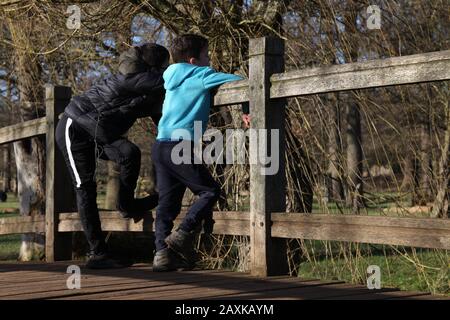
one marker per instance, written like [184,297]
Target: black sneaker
[182,242]
[104,261]
[139,208]
[164,260]
[147,203]
[136,216]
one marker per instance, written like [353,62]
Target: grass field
[9,247]
[406,268]
[9,244]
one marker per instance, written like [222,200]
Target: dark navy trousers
[172,180]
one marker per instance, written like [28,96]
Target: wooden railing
[266,223]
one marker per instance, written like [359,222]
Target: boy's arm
[212,79]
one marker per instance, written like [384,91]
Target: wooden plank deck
[23,281]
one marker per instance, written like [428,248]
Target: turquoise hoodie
[188,99]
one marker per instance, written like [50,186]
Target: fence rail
[424,67]
[23,224]
[266,223]
[413,232]
[23,130]
[232,93]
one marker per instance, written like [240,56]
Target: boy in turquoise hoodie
[188,83]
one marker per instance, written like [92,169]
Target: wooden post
[267,192]
[59,195]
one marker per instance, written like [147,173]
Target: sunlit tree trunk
[441,207]
[112,182]
[336,190]
[30,153]
[354,157]
[425,169]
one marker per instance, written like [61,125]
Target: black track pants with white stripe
[79,150]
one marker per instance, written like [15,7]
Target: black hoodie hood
[130,62]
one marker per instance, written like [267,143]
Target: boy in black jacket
[92,127]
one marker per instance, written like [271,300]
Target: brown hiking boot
[182,242]
[167,260]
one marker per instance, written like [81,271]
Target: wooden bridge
[266,224]
[23,281]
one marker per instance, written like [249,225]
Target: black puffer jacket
[107,110]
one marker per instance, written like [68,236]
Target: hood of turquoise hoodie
[176,74]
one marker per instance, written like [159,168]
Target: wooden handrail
[232,93]
[23,130]
[424,67]
[22,224]
[403,231]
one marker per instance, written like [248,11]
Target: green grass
[12,203]
[9,247]
[375,203]
[9,244]
[424,270]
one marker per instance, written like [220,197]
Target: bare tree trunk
[112,186]
[351,50]
[7,148]
[441,207]
[29,154]
[408,173]
[336,190]
[7,168]
[425,173]
[354,157]
[30,162]
[299,176]
[299,181]
[410,181]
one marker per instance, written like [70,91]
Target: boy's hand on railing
[246,119]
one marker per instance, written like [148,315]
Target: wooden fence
[267,223]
